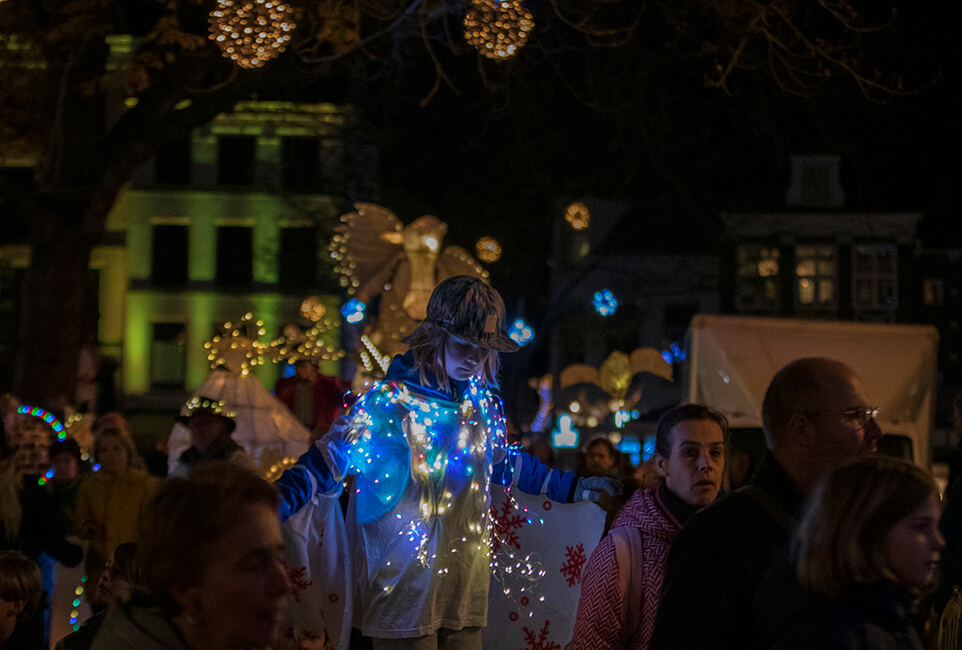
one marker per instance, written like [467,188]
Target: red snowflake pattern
[539,640]
[298,583]
[574,560]
[505,526]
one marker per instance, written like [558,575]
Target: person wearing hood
[424,445]
[866,549]
[621,581]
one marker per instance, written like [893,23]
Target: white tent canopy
[732,359]
[266,428]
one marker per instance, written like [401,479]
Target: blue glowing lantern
[605,302]
[566,435]
[521,333]
[353,311]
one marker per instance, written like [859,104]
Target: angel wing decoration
[379,257]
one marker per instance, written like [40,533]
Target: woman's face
[913,545]
[462,359]
[694,469]
[110,583]
[240,596]
[112,455]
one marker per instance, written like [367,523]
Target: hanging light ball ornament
[251,32]
[497,28]
[313,309]
[488,249]
[578,216]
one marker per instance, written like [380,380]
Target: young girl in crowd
[121,573]
[424,445]
[111,501]
[866,548]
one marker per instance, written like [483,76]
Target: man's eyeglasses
[861,413]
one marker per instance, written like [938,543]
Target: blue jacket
[518,469]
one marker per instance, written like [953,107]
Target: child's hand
[591,488]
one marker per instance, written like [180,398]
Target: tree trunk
[55,318]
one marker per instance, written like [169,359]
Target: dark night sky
[497,158]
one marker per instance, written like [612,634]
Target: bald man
[816,417]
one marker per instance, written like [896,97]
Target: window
[758,287]
[235,257]
[168,255]
[168,356]
[816,270]
[297,259]
[172,163]
[235,160]
[301,163]
[874,276]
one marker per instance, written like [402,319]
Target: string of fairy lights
[478,426]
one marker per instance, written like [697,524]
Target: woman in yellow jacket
[111,501]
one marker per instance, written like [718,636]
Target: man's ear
[801,431]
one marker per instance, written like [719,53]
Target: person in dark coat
[866,548]
[210,424]
[815,417]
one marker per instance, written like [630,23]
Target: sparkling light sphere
[488,249]
[497,28]
[353,311]
[313,309]
[605,302]
[251,32]
[578,216]
[521,333]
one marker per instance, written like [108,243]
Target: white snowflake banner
[539,549]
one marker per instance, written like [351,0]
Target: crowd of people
[826,545]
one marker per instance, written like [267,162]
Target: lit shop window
[816,276]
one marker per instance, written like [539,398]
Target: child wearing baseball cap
[424,445]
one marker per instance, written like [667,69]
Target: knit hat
[470,309]
[209,406]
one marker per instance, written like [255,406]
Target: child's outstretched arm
[295,486]
[531,476]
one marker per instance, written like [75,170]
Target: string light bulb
[251,32]
[497,28]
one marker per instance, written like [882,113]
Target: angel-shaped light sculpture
[614,378]
[379,257]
